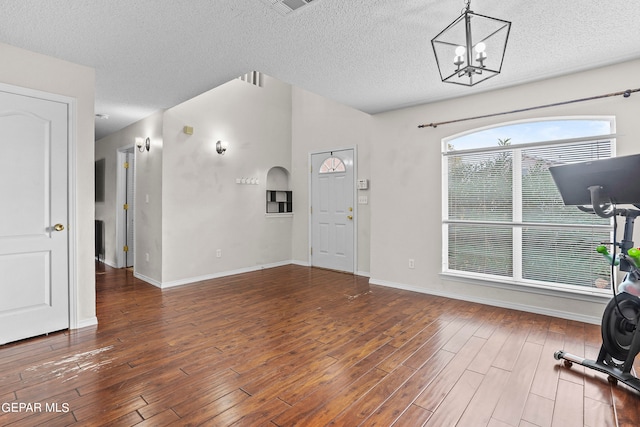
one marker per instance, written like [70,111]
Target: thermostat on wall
[363,184]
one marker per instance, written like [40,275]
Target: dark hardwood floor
[303,346]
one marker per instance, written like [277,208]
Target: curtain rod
[626,93]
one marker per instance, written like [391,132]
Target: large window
[504,218]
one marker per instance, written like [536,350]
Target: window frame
[517,225]
[338,167]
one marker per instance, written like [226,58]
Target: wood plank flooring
[309,347]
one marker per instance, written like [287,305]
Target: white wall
[320,124]
[40,72]
[406,180]
[204,209]
[148,181]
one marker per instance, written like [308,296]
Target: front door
[34,276]
[332,210]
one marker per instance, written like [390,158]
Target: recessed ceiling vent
[285,7]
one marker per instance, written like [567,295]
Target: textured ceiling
[373,55]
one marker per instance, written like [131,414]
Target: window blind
[480,186]
[505,217]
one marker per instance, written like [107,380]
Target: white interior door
[125,197]
[332,210]
[34,276]
[130,198]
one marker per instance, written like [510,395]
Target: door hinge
[125,206]
[311,209]
[311,250]
[125,248]
[126,165]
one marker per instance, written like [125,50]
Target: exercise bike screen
[619,178]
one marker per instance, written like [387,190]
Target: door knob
[58,227]
[349,216]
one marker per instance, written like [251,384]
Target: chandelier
[471,49]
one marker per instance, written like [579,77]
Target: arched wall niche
[278,179]
[279,197]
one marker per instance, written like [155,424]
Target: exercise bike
[599,184]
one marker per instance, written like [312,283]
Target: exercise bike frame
[605,363]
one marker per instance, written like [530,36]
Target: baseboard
[187,281]
[492,302]
[147,279]
[92,321]
[307,264]
[110,264]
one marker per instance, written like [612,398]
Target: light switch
[363,200]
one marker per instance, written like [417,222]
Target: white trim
[497,303]
[92,321]
[309,207]
[612,120]
[560,291]
[444,203]
[187,281]
[147,279]
[110,264]
[516,213]
[278,215]
[511,224]
[74,321]
[355,209]
[551,143]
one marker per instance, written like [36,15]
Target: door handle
[350,216]
[58,227]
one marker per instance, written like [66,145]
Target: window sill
[279,215]
[562,291]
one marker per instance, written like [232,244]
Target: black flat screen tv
[619,178]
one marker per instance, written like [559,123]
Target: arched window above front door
[332,165]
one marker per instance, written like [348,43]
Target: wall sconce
[143,144]
[221,147]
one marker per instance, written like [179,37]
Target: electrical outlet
[412,263]
[219,253]
[146,257]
